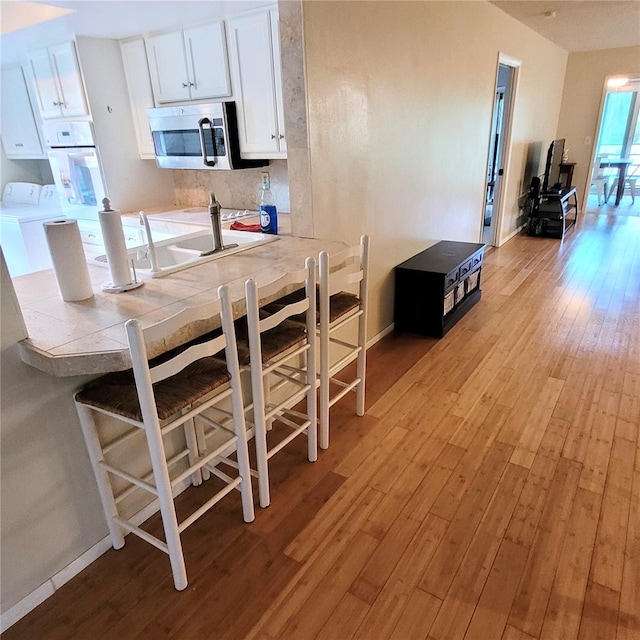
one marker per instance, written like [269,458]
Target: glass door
[76,172]
[619,124]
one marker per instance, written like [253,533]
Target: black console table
[436,287]
[553,213]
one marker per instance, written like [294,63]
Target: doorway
[499,146]
[617,137]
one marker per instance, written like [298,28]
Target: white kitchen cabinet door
[168,67]
[67,72]
[45,84]
[20,135]
[136,71]
[58,82]
[206,51]
[277,77]
[254,63]
[190,64]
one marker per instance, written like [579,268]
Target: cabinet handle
[185,85]
[19,144]
[192,84]
[91,235]
[280,136]
[273,136]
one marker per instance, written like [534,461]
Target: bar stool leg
[167,506]
[361,372]
[194,451]
[102,477]
[260,436]
[312,408]
[324,364]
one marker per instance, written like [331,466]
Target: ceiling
[580,25]
[575,25]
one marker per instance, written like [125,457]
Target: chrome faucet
[150,252]
[215,210]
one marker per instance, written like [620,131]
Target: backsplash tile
[239,189]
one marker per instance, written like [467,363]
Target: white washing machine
[23,210]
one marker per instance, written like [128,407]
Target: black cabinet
[436,287]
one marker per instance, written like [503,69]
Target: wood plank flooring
[492,490]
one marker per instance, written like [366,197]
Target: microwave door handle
[203,146]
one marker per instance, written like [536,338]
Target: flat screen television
[551,180]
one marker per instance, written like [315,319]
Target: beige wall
[51,513]
[582,102]
[399,99]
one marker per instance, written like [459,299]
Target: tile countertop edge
[63,366]
[90,360]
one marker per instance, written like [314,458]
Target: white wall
[37,171]
[399,99]
[582,101]
[131,183]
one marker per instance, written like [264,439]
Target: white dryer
[23,210]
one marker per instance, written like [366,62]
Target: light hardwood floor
[491,491]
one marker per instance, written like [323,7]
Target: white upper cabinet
[136,71]
[207,64]
[20,135]
[189,65]
[58,82]
[255,55]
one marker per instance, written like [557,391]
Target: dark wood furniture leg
[622,174]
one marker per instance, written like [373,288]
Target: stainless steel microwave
[199,136]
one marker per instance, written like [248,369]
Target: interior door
[497,154]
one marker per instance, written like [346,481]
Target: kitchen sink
[182,252]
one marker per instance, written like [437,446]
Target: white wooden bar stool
[156,398]
[338,308]
[281,356]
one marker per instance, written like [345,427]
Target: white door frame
[505,143]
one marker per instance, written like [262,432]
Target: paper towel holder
[110,287]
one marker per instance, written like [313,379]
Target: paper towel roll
[69,261]
[115,247]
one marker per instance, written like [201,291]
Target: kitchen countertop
[88,337]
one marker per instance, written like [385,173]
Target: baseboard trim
[48,588]
[513,234]
[379,336]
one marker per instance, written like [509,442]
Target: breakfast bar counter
[88,337]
